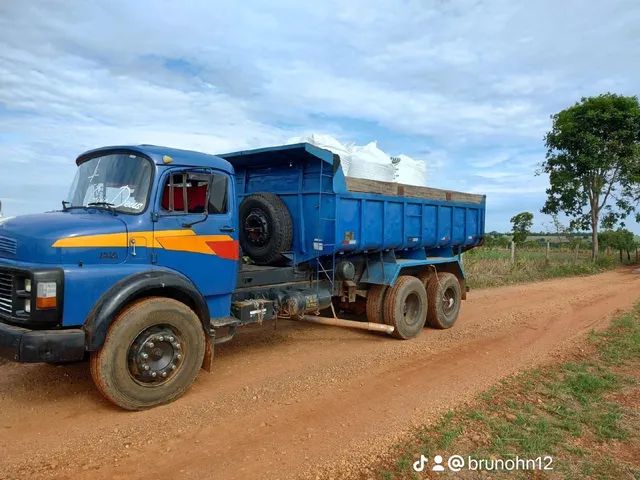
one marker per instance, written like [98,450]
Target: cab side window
[187,192]
[218,198]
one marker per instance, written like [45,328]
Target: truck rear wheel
[265,228]
[425,275]
[405,307]
[445,296]
[375,303]
[152,354]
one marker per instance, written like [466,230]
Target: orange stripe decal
[194,244]
[229,249]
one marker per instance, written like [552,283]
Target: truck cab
[133,216]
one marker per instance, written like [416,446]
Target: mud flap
[207,361]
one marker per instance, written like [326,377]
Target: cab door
[194,232]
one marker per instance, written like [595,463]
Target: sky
[466,86]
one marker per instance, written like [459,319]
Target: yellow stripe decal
[175,240]
[106,240]
[117,239]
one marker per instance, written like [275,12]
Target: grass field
[491,267]
[583,413]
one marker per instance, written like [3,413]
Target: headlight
[27,285]
[46,295]
[27,305]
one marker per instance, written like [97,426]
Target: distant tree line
[620,240]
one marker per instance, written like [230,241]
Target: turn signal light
[46,296]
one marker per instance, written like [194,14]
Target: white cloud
[468,86]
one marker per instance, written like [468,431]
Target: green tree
[496,240]
[620,239]
[593,162]
[522,223]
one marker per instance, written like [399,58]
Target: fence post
[513,252]
[546,253]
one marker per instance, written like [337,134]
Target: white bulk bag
[410,171]
[371,163]
[328,143]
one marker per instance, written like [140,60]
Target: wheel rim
[411,309]
[155,356]
[256,227]
[449,301]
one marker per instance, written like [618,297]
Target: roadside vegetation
[492,266]
[585,413]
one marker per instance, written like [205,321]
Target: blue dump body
[330,219]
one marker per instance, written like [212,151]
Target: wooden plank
[371,186]
[466,197]
[423,192]
[392,188]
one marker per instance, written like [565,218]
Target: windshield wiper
[109,206]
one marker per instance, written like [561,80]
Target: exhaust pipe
[337,322]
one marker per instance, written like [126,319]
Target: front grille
[8,245]
[6,292]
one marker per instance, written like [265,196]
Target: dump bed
[332,213]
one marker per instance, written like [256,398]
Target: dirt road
[300,401]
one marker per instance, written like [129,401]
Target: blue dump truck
[158,254]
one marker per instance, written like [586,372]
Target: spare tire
[266,230]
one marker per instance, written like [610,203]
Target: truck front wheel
[152,354]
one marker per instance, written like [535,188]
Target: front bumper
[32,346]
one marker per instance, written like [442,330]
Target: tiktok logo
[419,464]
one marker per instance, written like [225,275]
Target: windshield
[120,181]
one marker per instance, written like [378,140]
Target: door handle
[227,229]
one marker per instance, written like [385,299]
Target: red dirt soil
[299,401]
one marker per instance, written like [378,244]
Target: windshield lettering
[115,181]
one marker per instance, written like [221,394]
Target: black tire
[424,276]
[265,228]
[375,303]
[405,307]
[119,368]
[445,297]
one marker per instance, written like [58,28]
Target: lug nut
[173,367]
[146,367]
[177,345]
[145,355]
[153,374]
[179,356]
[150,345]
[171,339]
[161,338]
[164,374]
